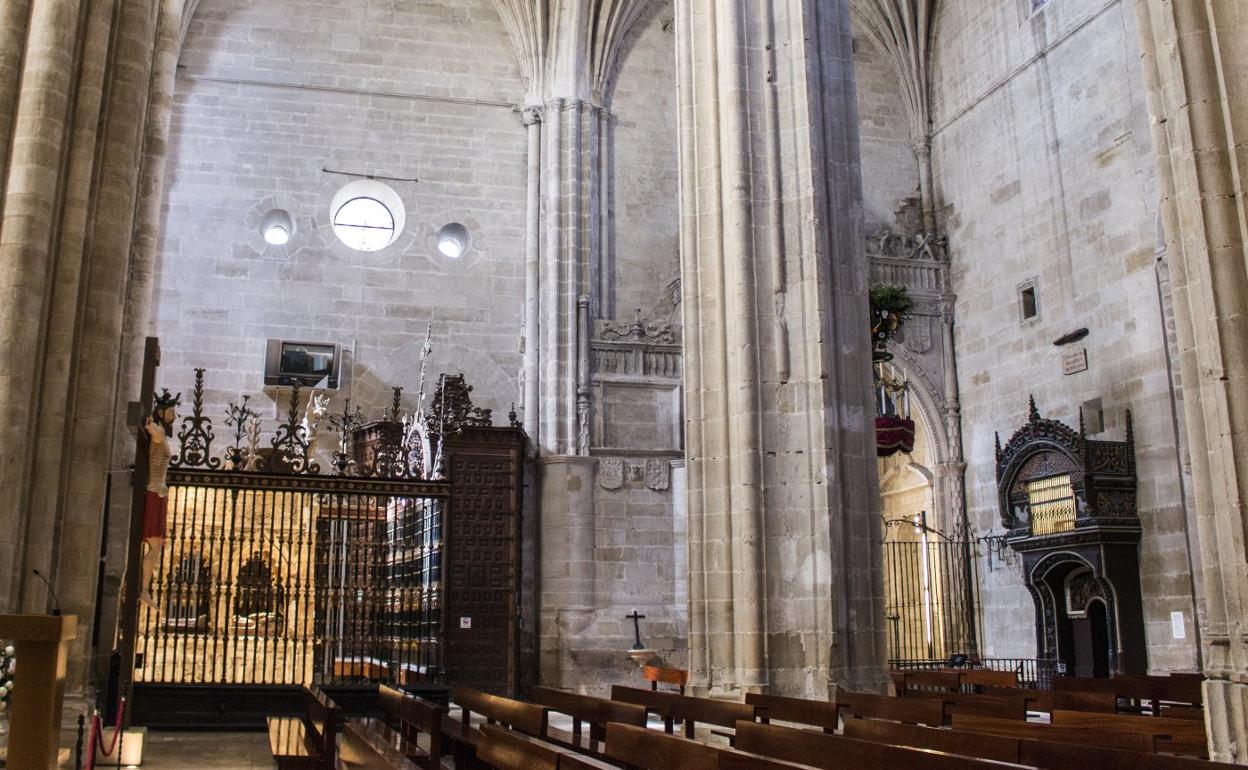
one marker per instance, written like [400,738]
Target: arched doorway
[929,585]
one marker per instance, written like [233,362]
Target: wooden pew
[1143,692]
[641,749]
[406,718]
[1172,736]
[505,749]
[918,711]
[1024,751]
[661,704]
[930,681]
[584,709]
[995,705]
[1083,736]
[672,708]
[1059,755]
[308,740]
[708,711]
[528,718]
[675,676]
[835,752]
[1046,701]
[997,747]
[364,749]
[798,710]
[974,680]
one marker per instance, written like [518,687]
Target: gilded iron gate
[275,574]
[931,593]
[281,580]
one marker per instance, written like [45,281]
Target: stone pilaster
[566,595]
[27,233]
[1196,68]
[786,586]
[148,228]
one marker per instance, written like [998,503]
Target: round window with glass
[364,224]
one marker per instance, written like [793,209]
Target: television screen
[307,362]
[311,364]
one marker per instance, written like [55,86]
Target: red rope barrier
[97,736]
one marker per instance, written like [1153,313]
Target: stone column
[13,17]
[1196,69]
[532,275]
[786,579]
[108,260]
[27,233]
[48,472]
[149,226]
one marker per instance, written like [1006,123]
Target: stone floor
[206,751]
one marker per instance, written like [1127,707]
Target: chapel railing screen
[296,580]
[931,599]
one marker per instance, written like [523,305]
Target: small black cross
[636,618]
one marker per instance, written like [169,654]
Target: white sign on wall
[1178,625]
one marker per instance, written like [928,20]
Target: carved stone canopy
[1101,473]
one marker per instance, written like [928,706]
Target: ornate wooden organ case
[1069,506]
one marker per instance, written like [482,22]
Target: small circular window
[454,240]
[364,224]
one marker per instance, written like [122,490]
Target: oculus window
[364,223]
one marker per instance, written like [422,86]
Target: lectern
[35,720]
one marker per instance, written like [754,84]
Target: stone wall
[1043,164]
[279,105]
[890,173]
[645,250]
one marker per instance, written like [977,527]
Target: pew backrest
[1070,700]
[1083,736]
[708,711]
[504,749]
[932,681]
[1178,736]
[528,718]
[836,752]
[997,747]
[922,711]
[636,747]
[360,749]
[806,712]
[1048,754]
[976,679]
[661,704]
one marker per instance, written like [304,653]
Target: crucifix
[636,618]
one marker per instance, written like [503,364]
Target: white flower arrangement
[8,663]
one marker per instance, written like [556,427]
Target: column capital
[531,115]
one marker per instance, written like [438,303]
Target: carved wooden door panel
[482,553]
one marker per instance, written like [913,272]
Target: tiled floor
[206,751]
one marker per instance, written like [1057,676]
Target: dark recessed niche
[1070,337]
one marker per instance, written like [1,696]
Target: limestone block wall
[890,173]
[280,104]
[644,253]
[1043,164]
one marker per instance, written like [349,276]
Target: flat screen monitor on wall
[311,364]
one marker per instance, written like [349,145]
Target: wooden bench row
[307,741]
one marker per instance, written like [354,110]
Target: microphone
[56,603]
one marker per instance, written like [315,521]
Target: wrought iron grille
[931,598]
[270,579]
[1033,673]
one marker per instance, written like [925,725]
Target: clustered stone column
[1196,68]
[76,78]
[785,567]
